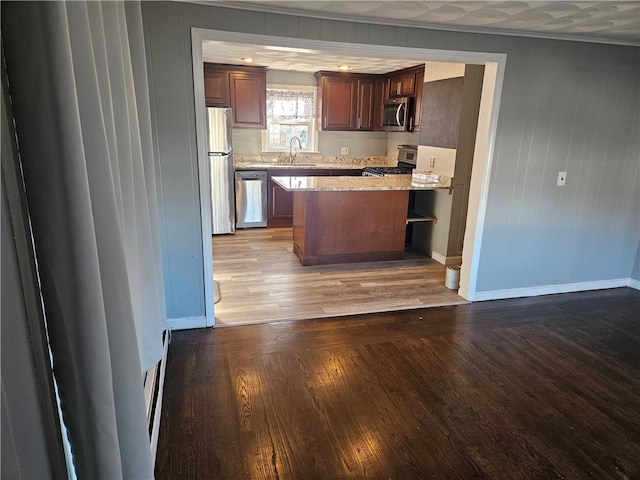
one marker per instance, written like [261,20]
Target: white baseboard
[551,289]
[457,260]
[184,323]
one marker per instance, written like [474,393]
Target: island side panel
[349,226]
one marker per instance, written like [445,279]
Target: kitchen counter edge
[345,184]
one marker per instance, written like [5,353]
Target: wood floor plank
[526,388]
[257,271]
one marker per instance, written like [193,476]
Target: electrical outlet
[344,151]
[432,162]
[562,179]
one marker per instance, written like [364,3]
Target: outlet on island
[344,150]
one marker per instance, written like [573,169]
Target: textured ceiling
[299,60]
[604,22]
[607,22]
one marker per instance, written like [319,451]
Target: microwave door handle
[398,114]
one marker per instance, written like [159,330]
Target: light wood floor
[261,280]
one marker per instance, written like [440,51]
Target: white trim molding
[184,323]
[551,289]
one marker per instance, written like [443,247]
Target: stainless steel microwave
[397,115]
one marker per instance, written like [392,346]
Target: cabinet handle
[325,122]
[399,88]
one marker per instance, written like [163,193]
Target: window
[291,112]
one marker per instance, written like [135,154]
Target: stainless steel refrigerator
[221,166]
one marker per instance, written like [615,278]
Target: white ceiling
[615,22]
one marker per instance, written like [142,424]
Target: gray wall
[565,106]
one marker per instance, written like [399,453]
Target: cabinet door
[380,94]
[338,103]
[280,206]
[216,86]
[402,85]
[365,105]
[417,104]
[248,99]
[279,201]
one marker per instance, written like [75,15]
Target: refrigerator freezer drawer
[251,199]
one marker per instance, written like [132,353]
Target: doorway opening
[487,124]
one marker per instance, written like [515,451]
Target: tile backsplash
[346,160]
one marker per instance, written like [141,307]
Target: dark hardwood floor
[544,387]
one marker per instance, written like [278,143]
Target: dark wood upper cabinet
[216,86]
[244,89]
[338,101]
[248,92]
[380,94]
[403,83]
[364,117]
[347,101]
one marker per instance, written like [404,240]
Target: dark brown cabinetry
[216,86]
[408,83]
[353,101]
[338,101]
[347,101]
[403,83]
[244,89]
[280,202]
[365,104]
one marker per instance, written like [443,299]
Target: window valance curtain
[290,105]
[78,84]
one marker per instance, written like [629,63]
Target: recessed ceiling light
[247,60]
[344,68]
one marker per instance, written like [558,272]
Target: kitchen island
[351,219]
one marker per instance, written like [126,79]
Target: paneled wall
[565,106]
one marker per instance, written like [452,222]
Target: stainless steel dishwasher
[251,199]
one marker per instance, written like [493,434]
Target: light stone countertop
[345,184]
[311,162]
[295,166]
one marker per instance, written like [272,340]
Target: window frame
[312,122]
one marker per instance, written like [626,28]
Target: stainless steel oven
[407,158]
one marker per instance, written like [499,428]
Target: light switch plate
[344,151]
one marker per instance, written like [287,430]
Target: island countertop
[345,184]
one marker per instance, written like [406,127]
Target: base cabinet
[349,226]
[280,201]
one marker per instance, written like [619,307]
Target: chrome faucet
[292,152]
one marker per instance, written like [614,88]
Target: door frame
[483,154]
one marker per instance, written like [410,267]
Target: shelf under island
[351,219]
